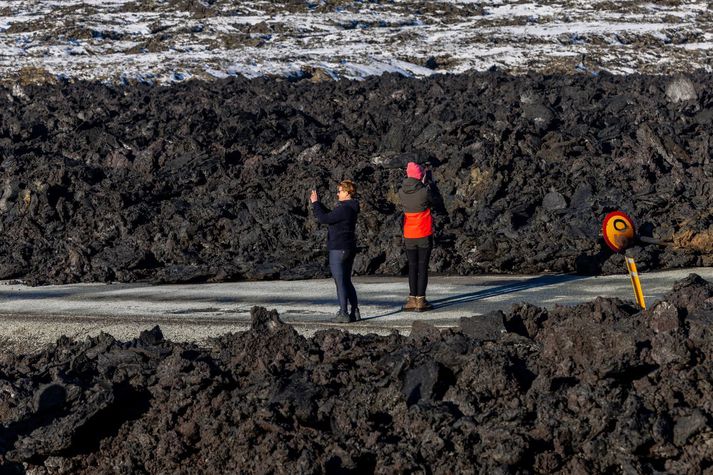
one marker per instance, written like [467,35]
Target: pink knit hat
[414,170]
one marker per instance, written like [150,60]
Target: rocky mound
[209,181]
[596,388]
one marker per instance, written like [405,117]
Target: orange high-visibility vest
[418,225]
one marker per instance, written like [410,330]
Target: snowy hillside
[173,40]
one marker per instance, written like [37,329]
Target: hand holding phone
[427,175]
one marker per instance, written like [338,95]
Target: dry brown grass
[30,75]
[479,181]
[697,241]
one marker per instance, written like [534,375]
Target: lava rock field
[597,388]
[209,181]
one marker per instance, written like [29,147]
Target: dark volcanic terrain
[208,181]
[122,179]
[596,388]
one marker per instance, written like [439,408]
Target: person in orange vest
[416,199]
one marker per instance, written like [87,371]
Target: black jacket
[342,223]
[415,197]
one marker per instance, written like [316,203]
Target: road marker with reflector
[619,233]
[618,229]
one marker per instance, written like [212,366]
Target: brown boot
[410,305]
[423,305]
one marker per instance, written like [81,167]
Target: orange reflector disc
[618,230]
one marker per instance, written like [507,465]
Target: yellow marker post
[619,233]
[633,273]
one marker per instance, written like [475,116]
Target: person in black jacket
[416,198]
[342,246]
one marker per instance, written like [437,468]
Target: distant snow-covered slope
[173,40]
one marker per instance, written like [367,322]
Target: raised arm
[324,216]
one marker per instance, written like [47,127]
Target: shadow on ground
[541,281]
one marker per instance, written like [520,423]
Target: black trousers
[341,263]
[418,255]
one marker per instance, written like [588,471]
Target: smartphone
[427,175]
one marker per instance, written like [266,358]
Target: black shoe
[355,316]
[341,317]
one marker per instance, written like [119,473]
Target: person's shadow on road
[458,299]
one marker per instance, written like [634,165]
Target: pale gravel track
[34,316]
